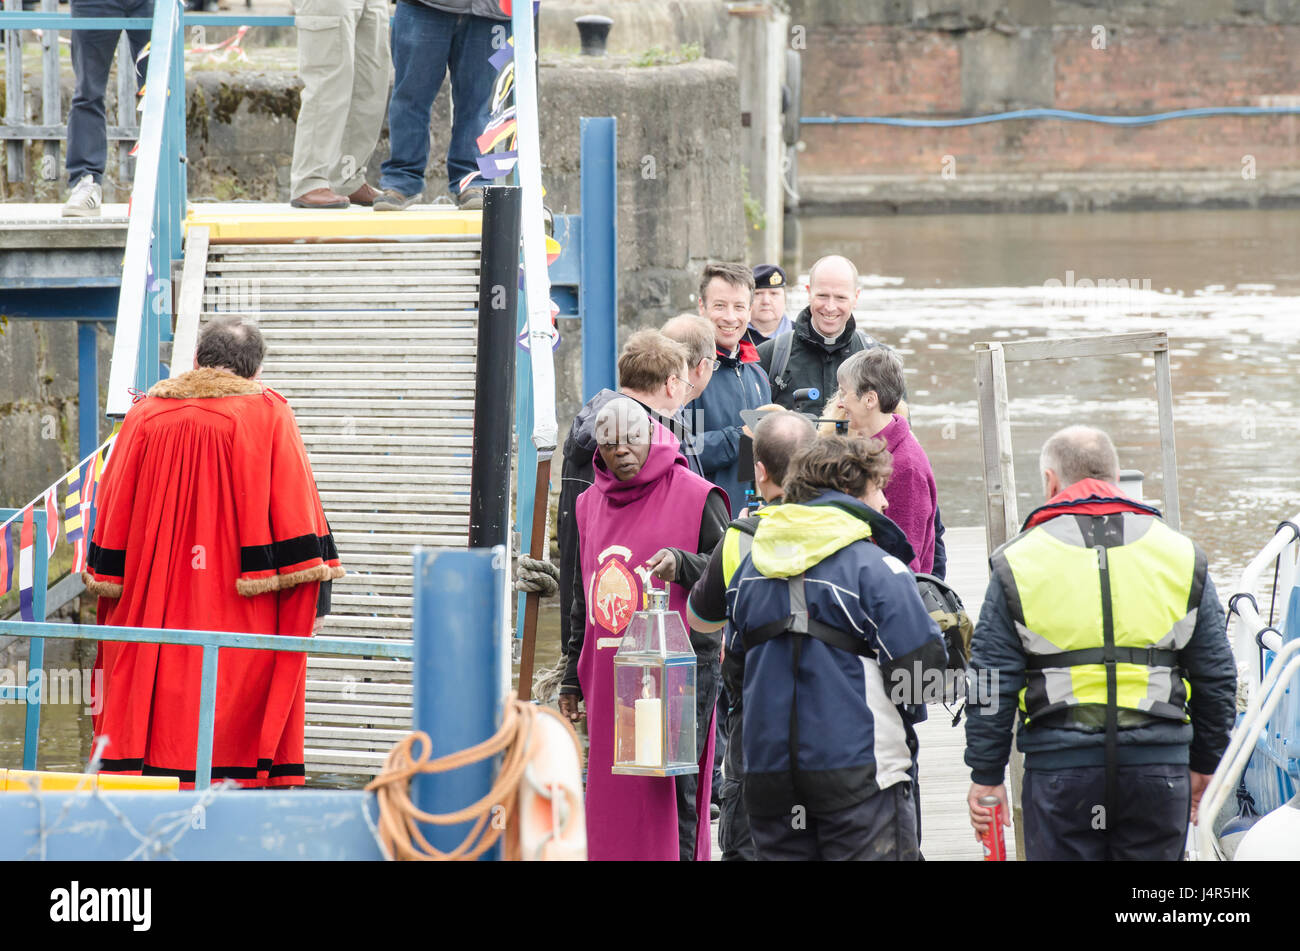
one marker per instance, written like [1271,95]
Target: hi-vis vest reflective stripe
[1054,579]
[737,543]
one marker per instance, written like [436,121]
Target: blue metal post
[207,717]
[525,454]
[36,654]
[598,296]
[87,388]
[458,606]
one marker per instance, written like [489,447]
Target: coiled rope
[399,830]
[542,577]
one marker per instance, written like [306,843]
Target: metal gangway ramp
[372,341]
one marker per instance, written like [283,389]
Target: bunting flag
[503,56]
[498,164]
[91,472]
[495,133]
[464,182]
[72,520]
[552,250]
[505,85]
[26,572]
[6,560]
[51,518]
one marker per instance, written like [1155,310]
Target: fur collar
[204,383]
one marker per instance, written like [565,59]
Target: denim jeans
[426,44]
[92,57]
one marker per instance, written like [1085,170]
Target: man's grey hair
[1080,452]
[232,343]
[879,369]
[695,333]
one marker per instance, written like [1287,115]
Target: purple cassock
[620,527]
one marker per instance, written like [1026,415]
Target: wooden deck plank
[946,833]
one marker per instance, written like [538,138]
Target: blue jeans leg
[422,41]
[472,79]
[92,58]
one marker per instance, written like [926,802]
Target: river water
[1225,285]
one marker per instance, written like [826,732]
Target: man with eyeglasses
[739,383]
[695,334]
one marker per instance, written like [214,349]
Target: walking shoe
[390,199]
[320,198]
[365,195]
[470,199]
[86,199]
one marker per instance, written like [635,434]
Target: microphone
[807,393]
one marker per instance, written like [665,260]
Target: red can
[995,846]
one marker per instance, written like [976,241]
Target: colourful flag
[464,182]
[26,557]
[502,56]
[72,520]
[6,560]
[497,165]
[51,517]
[494,134]
[88,487]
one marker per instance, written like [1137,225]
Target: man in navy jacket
[738,383]
[835,646]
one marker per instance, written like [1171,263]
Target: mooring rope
[399,818]
[539,576]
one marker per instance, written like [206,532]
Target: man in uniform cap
[767,317]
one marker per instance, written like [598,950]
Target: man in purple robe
[644,498]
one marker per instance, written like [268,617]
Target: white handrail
[144,199]
[1265,692]
[1285,666]
[1247,610]
[537,282]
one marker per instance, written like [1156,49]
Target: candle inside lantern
[649,732]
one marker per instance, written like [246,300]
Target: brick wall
[904,70]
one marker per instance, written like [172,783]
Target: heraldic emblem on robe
[614,593]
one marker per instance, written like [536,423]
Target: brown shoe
[320,198]
[365,195]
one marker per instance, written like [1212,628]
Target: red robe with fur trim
[208,519]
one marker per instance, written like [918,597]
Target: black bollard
[494,368]
[594,30]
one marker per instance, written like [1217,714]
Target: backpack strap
[781,359]
[798,622]
[862,341]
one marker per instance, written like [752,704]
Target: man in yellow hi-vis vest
[1103,631]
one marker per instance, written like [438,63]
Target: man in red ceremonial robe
[209,519]
[644,498]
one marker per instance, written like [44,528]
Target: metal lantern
[654,694]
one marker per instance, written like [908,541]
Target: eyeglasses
[713,364]
[689,384]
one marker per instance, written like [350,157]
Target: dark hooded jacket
[848,732]
[813,362]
